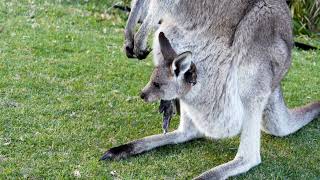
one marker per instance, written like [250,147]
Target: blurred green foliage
[306,16]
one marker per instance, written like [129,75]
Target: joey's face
[161,85]
[172,78]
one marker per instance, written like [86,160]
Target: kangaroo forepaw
[128,49]
[118,152]
[131,52]
[142,54]
[166,106]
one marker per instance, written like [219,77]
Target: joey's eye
[157,85]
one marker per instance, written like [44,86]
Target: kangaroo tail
[280,121]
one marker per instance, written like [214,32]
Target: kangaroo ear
[182,63]
[166,49]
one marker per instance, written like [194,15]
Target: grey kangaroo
[241,50]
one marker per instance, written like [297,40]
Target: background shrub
[306,16]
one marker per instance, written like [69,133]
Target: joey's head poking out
[172,78]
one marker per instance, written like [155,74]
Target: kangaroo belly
[217,124]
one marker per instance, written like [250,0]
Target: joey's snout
[149,94]
[146,96]
[142,95]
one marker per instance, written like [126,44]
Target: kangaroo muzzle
[143,95]
[148,95]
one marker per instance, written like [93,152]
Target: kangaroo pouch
[216,123]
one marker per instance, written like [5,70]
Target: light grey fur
[139,9]
[242,50]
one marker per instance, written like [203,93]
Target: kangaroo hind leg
[248,155]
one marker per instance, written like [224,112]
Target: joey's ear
[166,49]
[182,63]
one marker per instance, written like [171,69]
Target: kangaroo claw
[128,49]
[143,54]
[106,156]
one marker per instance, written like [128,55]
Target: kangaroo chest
[215,106]
[216,121]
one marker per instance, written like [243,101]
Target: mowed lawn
[68,93]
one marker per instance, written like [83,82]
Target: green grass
[68,93]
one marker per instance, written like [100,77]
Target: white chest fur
[216,123]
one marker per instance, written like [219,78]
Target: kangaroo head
[171,78]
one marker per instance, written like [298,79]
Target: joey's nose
[142,95]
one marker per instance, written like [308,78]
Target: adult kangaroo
[241,50]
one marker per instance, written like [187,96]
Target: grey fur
[139,11]
[242,50]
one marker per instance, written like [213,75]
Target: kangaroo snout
[148,95]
